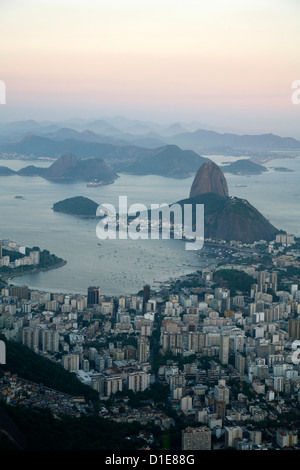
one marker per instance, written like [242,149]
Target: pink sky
[226,63]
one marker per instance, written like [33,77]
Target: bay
[124,266]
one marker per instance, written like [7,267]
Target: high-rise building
[20,292]
[143,349]
[224,349]
[221,392]
[286,438]
[93,295]
[98,383]
[232,433]
[220,408]
[146,296]
[50,340]
[196,438]
[71,362]
[240,363]
[112,385]
[138,381]
[294,328]
[30,337]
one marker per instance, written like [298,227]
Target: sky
[227,64]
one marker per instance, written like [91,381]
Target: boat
[241,185]
[94,183]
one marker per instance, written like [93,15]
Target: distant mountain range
[22,137]
[202,139]
[134,147]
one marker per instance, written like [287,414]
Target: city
[215,348]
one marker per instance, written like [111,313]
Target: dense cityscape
[216,349]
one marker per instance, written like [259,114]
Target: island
[78,206]
[226,217]
[286,170]
[244,167]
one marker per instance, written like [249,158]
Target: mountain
[168,161]
[209,179]
[79,206]
[34,146]
[226,218]
[244,167]
[70,167]
[173,129]
[204,139]
[102,127]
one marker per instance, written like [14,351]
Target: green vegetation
[231,218]
[156,392]
[79,206]
[44,432]
[13,255]
[234,280]
[195,281]
[47,260]
[28,365]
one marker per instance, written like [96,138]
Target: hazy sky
[226,63]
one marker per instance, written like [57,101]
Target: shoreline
[32,271]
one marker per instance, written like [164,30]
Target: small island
[78,206]
[244,167]
[286,170]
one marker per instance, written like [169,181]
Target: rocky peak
[209,179]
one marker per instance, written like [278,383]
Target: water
[124,266]
[117,266]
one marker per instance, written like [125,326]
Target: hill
[79,206]
[69,168]
[33,430]
[28,365]
[168,161]
[32,170]
[234,280]
[4,171]
[231,218]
